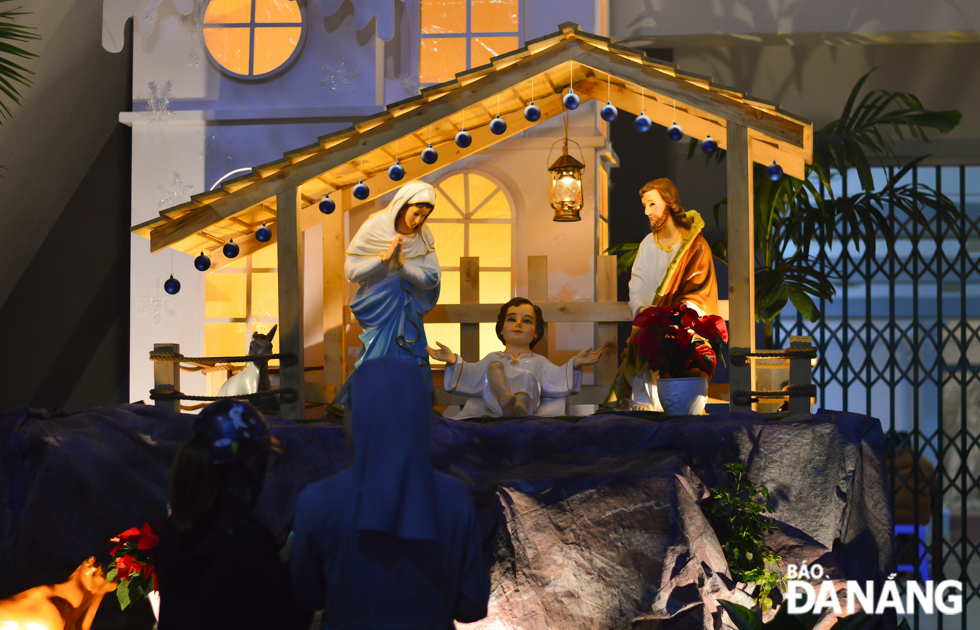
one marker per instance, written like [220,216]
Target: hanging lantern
[566,186]
[172,286]
[230,249]
[328,205]
[429,155]
[263,234]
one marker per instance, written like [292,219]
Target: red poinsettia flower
[147,539]
[126,565]
[650,343]
[652,316]
[688,315]
[123,538]
[712,328]
[706,358]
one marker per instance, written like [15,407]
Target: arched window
[474,216]
[252,39]
[461,34]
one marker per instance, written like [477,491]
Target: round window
[252,39]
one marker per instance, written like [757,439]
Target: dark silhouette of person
[217,565]
[389,542]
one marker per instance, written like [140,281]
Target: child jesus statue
[515,382]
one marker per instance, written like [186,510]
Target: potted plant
[133,566]
[683,348]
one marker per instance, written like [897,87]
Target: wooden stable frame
[752,131]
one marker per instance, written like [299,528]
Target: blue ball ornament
[429,155]
[172,286]
[609,112]
[202,262]
[361,191]
[463,139]
[643,123]
[263,234]
[709,146]
[498,125]
[328,205]
[532,113]
[231,249]
[674,132]
[571,100]
[774,172]
[396,171]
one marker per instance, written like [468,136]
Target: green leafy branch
[740,514]
[11,72]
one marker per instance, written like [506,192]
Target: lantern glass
[566,193]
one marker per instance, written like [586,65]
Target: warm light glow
[275,29]
[461,34]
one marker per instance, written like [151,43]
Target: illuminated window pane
[224,295]
[496,208]
[225,340]
[446,334]
[449,242]
[480,189]
[441,58]
[264,328]
[494,16]
[443,16]
[228,12]
[494,287]
[444,208]
[277,11]
[484,48]
[273,47]
[454,191]
[239,263]
[265,295]
[266,258]
[491,242]
[229,48]
[449,288]
[488,339]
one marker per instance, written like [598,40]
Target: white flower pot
[154,597]
[683,396]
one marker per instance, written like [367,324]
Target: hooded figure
[389,542]
[396,290]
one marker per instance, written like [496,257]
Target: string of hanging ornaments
[532,113]
[463,138]
[396,171]
[361,191]
[202,263]
[172,286]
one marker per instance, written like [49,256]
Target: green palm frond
[12,74]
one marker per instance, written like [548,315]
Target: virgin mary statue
[393,258]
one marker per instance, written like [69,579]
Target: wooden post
[166,375]
[800,373]
[741,257]
[537,292]
[334,354]
[291,299]
[606,332]
[469,293]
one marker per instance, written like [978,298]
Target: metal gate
[901,342]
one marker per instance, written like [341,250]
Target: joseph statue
[673,266]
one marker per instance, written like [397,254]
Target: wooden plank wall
[291,300]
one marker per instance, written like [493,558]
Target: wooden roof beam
[354,147]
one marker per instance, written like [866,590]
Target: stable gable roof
[543,69]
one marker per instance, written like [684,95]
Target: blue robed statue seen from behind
[393,259]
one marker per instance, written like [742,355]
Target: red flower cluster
[677,342]
[133,555]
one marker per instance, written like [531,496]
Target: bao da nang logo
[802,597]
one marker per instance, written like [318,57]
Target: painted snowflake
[158,103]
[218,152]
[157,303]
[339,77]
[174,193]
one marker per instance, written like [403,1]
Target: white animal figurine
[254,377]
